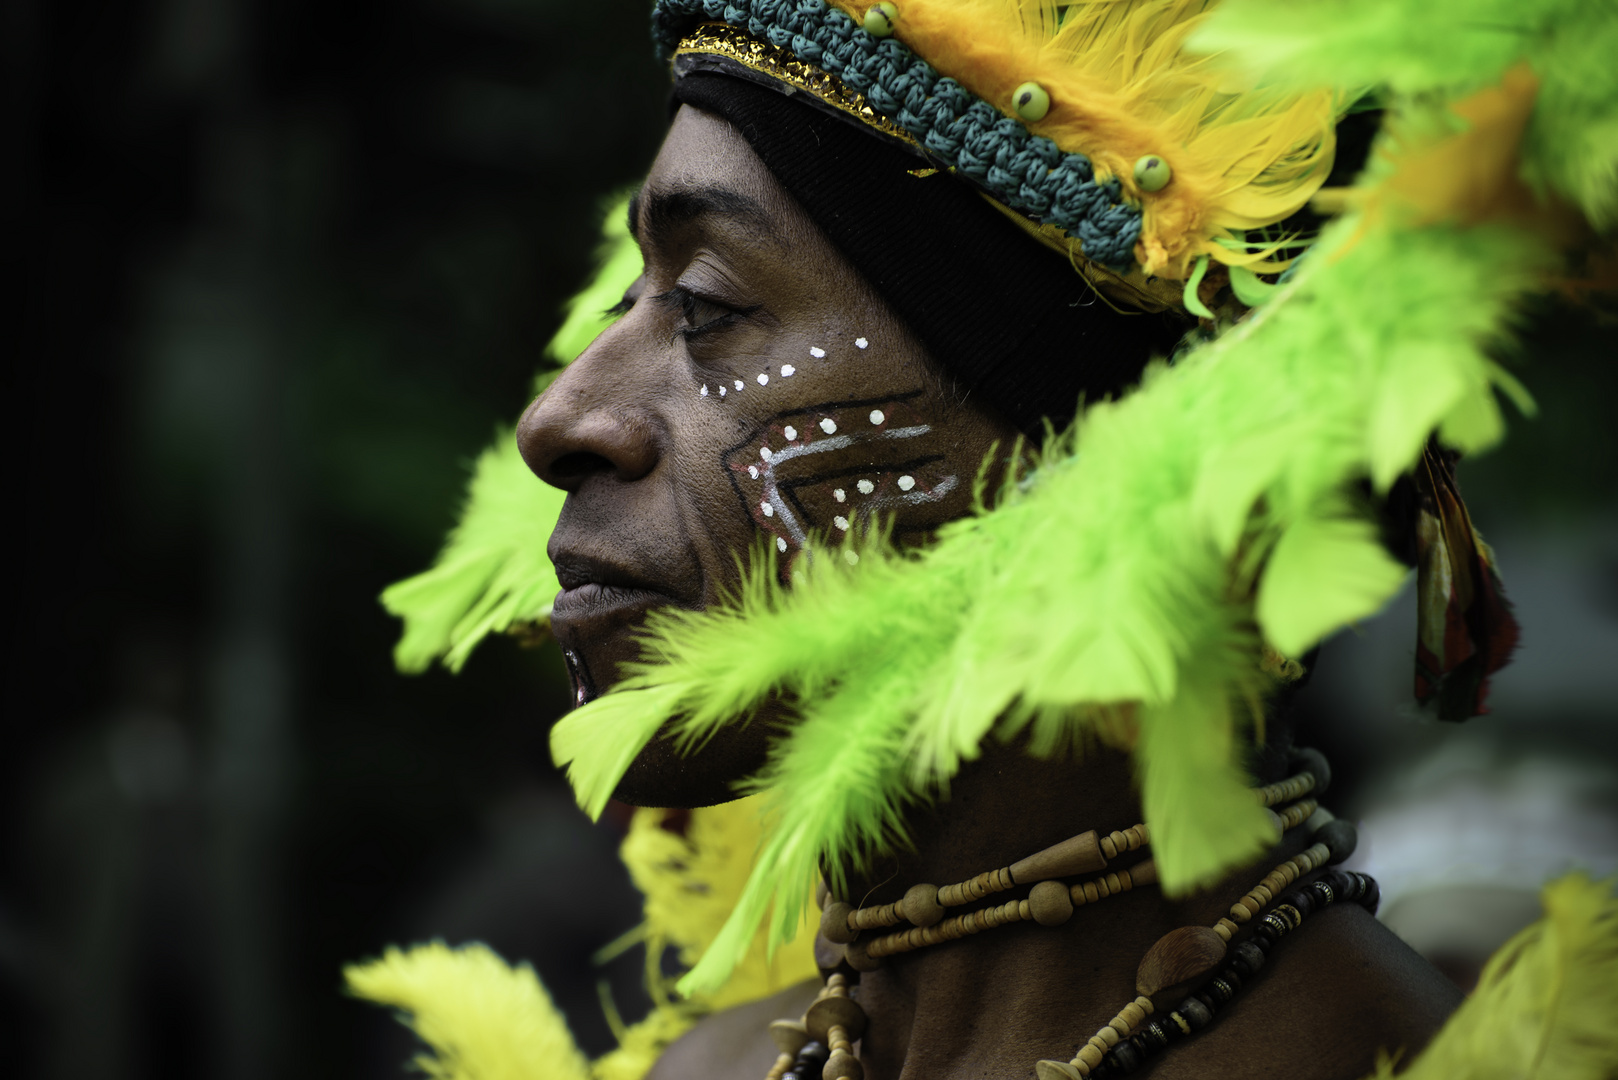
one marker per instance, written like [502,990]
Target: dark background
[283,268]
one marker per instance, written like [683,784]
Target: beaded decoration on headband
[1140,161]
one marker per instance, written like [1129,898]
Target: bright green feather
[493,571]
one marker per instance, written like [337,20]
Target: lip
[593,589]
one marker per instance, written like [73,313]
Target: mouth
[593,589]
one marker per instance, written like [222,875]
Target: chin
[703,776]
[596,650]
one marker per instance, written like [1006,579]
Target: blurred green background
[284,268]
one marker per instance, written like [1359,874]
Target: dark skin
[660,502]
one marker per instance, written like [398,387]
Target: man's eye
[701,316]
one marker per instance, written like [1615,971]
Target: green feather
[493,571]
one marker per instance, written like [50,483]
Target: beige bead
[834,923]
[1056,1070]
[1089,1056]
[1110,1035]
[783,1062]
[842,1065]
[1050,904]
[858,955]
[831,1012]
[1225,929]
[1132,1014]
[789,1036]
[921,906]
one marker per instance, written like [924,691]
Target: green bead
[1031,101]
[1152,173]
[879,19]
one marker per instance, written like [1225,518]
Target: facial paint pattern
[844,460]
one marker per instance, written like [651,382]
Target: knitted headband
[1090,122]
[1013,324]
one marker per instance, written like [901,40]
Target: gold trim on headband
[717,39]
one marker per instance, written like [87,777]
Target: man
[830,333]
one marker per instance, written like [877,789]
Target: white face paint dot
[721,391]
[704,389]
[817,352]
[769,511]
[840,495]
[851,556]
[866,487]
[787,371]
[763,379]
[764,452]
[739,384]
[860,343]
[752,470]
[828,425]
[877,416]
[791,433]
[841,522]
[781,544]
[906,483]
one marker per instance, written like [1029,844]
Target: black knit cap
[1007,317]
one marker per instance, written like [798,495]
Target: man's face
[755,391]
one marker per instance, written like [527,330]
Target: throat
[968,958]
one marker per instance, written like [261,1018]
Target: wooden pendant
[1179,955]
[1076,855]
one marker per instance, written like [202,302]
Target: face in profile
[754,393]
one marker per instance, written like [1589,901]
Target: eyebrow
[668,209]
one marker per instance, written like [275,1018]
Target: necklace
[820,1045]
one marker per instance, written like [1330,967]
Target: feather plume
[1245,154]
[1545,1002]
[482,1019]
[493,571]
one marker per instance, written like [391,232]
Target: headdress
[1146,582]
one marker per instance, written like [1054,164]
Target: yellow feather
[1123,86]
[482,1019]
[1545,1005]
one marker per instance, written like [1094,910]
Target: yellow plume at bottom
[1545,1004]
[483,1019]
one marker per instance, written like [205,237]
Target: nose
[588,423]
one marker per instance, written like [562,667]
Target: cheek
[831,437]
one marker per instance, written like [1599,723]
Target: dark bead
[1340,838]
[1125,1058]
[1302,900]
[1249,956]
[1323,893]
[1221,990]
[1273,926]
[1209,1002]
[811,1058]
[1261,941]
[1196,1012]
[1373,894]
[1157,1033]
[1308,759]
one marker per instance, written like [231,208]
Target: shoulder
[734,1044]
[1332,1000]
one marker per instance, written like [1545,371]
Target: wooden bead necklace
[820,1045]
[1198,1009]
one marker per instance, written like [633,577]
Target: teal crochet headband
[953,127]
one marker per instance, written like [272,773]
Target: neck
[1021,992]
